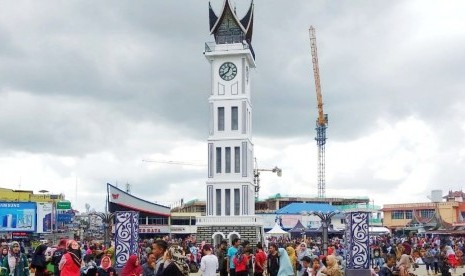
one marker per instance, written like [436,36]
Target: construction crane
[322,120]
[256,176]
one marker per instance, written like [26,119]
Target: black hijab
[38,259]
[75,254]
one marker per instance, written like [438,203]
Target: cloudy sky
[90,89]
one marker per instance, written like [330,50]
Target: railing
[229,220]
[212,46]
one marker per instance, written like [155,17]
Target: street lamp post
[107,220]
[325,222]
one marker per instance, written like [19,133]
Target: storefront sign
[19,235]
[153,229]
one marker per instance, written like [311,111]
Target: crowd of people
[402,255]
[68,257]
[278,256]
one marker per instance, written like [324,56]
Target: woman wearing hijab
[16,263]
[451,259]
[292,256]
[132,267]
[174,263]
[4,254]
[105,268]
[70,263]
[404,265]
[332,268]
[39,262]
[240,261]
[285,266]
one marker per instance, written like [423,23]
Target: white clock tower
[230,209]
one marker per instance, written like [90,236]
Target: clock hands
[225,73]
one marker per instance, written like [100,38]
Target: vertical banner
[357,240]
[44,217]
[126,236]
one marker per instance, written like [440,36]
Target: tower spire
[228,28]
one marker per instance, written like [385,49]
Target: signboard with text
[64,212]
[44,217]
[153,229]
[17,216]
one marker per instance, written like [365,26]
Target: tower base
[213,230]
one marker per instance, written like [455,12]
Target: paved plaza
[421,271]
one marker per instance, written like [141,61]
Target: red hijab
[131,269]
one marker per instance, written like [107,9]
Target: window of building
[234,118]
[237,202]
[220,118]
[408,214]
[397,215]
[218,160]
[227,202]
[428,213]
[218,202]
[227,156]
[180,221]
[159,221]
[237,159]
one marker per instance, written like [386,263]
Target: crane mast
[322,120]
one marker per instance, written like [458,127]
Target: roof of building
[455,194]
[228,14]
[127,200]
[298,227]
[335,199]
[299,208]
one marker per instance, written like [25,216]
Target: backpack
[56,257]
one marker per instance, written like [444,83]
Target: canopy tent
[318,231]
[276,231]
[298,229]
[378,230]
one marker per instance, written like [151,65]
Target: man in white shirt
[209,262]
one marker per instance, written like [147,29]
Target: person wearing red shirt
[70,263]
[260,261]
[240,262]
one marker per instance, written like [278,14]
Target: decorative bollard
[126,236]
[357,243]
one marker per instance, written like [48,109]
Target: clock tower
[230,208]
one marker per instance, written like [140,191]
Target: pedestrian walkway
[421,271]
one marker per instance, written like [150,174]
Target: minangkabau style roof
[228,28]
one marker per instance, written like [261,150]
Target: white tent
[378,230]
[276,231]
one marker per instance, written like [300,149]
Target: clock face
[228,71]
